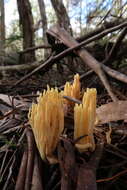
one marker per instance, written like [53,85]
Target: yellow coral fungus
[47,121]
[72,90]
[84,119]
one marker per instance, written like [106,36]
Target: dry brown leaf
[8,100]
[7,103]
[113,111]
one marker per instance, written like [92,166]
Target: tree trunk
[2,34]
[62,16]
[64,22]
[2,25]
[44,23]
[26,21]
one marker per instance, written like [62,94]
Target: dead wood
[115,74]
[52,59]
[63,36]
[20,182]
[30,161]
[20,67]
[116,46]
[77,172]
[68,166]
[105,25]
[93,38]
[34,48]
[36,179]
[87,171]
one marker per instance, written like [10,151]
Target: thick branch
[20,67]
[53,59]
[63,36]
[105,25]
[96,37]
[115,74]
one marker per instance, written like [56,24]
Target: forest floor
[20,163]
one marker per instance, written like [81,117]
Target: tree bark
[26,22]
[43,18]
[63,21]
[2,25]
[44,23]
[62,16]
[2,34]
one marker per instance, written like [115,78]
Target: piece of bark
[20,183]
[68,166]
[30,161]
[87,171]
[86,179]
[36,179]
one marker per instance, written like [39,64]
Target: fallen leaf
[113,111]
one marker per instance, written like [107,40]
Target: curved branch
[115,48]
[20,67]
[115,74]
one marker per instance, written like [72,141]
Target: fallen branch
[20,67]
[116,46]
[48,63]
[93,38]
[115,74]
[105,25]
[35,48]
[62,35]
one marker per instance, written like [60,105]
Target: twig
[116,153]
[117,149]
[12,129]
[72,99]
[3,162]
[34,48]
[14,110]
[43,66]
[115,48]
[113,177]
[9,175]
[7,165]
